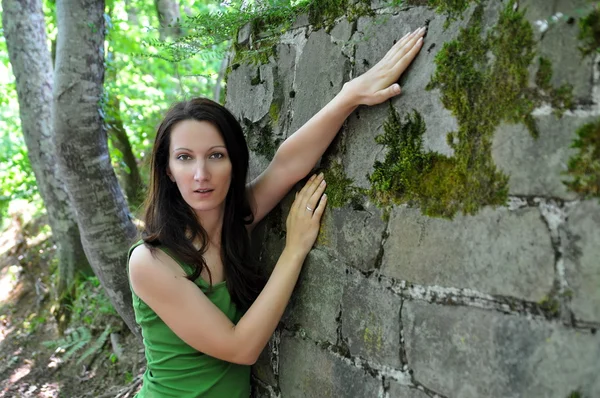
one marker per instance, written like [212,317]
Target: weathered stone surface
[374,37]
[307,371]
[316,301]
[263,368]
[353,237]
[559,43]
[467,352]
[315,90]
[536,166]
[400,391]
[371,321]
[582,259]
[496,251]
[240,89]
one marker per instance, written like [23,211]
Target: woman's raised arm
[299,153]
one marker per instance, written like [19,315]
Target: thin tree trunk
[130,179]
[168,18]
[25,32]
[102,213]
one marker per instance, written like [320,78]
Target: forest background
[118,68]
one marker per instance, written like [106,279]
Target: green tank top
[175,369]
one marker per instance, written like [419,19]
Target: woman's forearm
[300,152]
[255,328]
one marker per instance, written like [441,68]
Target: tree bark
[25,32]
[102,214]
[131,181]
[168,18]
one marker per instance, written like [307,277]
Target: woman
[203,310]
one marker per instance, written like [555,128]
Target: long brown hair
[170,222]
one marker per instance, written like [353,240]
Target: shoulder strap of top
[186,268]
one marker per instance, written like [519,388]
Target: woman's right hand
[305,216]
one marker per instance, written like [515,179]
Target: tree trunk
[130,174]
[168,18]
[102,213]
[25,32]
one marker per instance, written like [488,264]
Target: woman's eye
[183,157]
[217,155]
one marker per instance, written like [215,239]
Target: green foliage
[75,341]
[91,305]
[584,167]
[482,92]
[589,31]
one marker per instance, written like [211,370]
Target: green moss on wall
[560,98]
[340,190]
[589,31]
[452,8]
[481,94]
[584,167]
[323,13]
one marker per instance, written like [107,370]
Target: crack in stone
[378,371]
[273,392]
[472,298]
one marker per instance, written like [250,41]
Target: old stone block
[399,391]
[250,81]
[353,237]
[315,90]
[316,301]
[536,166]
[371,321]
[559,44]
[496,251]
[467,352]
[581,237]
[263,368]
[307,371]
[373,38]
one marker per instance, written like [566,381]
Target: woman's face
[199,164]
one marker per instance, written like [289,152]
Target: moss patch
[340,190]
[589,31]
[584,167]
[560,98]
[260,140]
[452,8]
[323,13]
[481,92]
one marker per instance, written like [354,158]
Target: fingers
[415,39]
[306,192]
[313,200]
[388,93]
[403,62]
[321,207]
[400,44]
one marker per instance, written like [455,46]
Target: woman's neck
[212,222]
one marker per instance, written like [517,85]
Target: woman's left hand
[379,83]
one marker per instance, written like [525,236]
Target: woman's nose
[201,173]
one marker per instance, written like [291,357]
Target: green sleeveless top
[175,369]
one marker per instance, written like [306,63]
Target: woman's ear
[170,175]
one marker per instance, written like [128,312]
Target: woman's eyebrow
[187,149]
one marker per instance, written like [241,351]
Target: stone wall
[490,293]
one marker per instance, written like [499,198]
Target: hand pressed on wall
[378,84]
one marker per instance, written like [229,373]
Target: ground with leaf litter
[96,356]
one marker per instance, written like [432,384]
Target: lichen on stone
[584,167]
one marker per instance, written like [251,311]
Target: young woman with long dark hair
[205,312]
